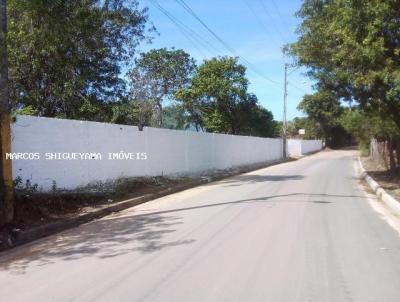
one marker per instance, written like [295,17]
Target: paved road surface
[300,231]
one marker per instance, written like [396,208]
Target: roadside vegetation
[81,60]
[352,51]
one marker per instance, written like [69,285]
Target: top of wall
[25,120]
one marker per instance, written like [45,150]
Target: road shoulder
[390,216]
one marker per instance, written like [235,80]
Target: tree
[158,74]
[261,123]
[352,48]
[311,128]
[6,187]
[218,95]
[175,117]
[365,125]
[66,56]
[278,129]
[132,112]
[323,109]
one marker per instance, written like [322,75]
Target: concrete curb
[388,199]
[20,237]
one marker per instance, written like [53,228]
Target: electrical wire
[190,35]
[266,30]
[194,37]
[225,44]
[276,27]
[281,18]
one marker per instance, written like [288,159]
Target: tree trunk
[160,117]
[398,153]
[396,118]
[392,162]
[6,182]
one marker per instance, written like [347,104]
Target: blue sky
[255,29]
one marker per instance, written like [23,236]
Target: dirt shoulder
[39,214]
[390,183]
[35,209]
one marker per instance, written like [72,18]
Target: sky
[255,30]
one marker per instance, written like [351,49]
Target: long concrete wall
[309,146]
[66,152]
[299,147]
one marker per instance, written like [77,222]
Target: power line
[191,35]
[280,14]
[182,30]
[260,21]
[272,20]
[298,88]
[225,44]
[293,70]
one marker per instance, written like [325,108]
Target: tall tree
[364,125]
[65,56]
[218,94]
[312,129]
[133,112]
[176,117]
[6,189]
[261,123]
[323,109]
[352,47]
[158,74]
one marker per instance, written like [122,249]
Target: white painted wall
[294,147]
[299,147]
[169,152]
[308,146]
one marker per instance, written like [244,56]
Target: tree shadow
[115,236]
[104,238]
[274,198]
[254,178]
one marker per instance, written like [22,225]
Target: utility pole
[284,124]
[6,181]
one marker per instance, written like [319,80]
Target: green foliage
[217,100]
[352,48]
[158,74]
[311,128]
[135,112]
[277,129]
[365,125]
[65,56]
[28,110]
[261,123]
[27,188]
[54,186]
[323,109]
[216,122]
[175,117]
[217,88]
[66,59]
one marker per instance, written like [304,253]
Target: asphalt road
[299,231]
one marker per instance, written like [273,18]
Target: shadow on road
[252,178]
[274,198]
[116,236]
[103,238]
